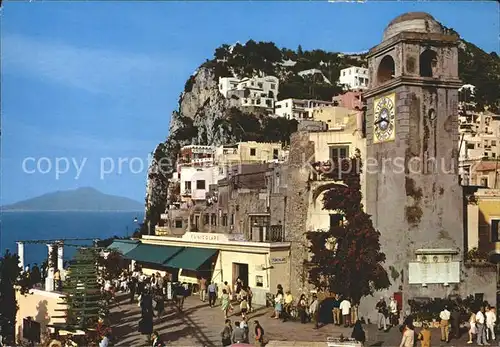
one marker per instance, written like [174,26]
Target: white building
[479,139]
[255,91]
[312,72]
[195,181]
[354,77]
[298,109]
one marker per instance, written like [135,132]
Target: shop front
[219,258]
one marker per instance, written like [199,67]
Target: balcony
[186,192]
[268,233]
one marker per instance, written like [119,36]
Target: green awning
[123,246]
[191,258]
[153,253]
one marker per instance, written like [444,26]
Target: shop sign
[279,260]
[205,237]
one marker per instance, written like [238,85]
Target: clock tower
[412,187]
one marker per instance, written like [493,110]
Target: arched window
[428,63]
[386,69]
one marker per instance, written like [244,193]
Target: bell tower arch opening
[428,63]
[386,69]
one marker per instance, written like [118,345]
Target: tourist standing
[302,306]
[381,308]
[226,303]
[287,312]
[358,333]
[226,333]
[445,324]
[314,311]
[480,327]
[455,322]
[203,288]
[238,335]
[491,318]
[425,336]
[336,310]
[472,327]
[393,312]
[244,326]
[212,294]
[259,334]
[345,307]
[278,304]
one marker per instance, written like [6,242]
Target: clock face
[384,119]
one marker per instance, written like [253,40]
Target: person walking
[226,333]
[345,307]
[455,322]
[444,324]
[278,304]
[381,308]
[249,296]
[212,294]
[480,326]
[408,339]
[226,303]
[358,333]
[425,336]
[336,310]
[259,334]
[491,318]
[203,288]
[472,326]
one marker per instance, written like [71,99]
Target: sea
[35,225]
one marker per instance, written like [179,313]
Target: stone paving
[200,325]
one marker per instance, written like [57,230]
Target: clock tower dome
[412,188]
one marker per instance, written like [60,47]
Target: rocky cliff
[205,117]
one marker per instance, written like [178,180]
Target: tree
[11,276]
[347,259]
[82,293]
[113,264]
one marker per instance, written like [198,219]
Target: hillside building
[354,77]
[298,109]
[259,92]
[479,147]
[352,100]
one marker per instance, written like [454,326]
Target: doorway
[241,271]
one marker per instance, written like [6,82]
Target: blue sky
[100,79]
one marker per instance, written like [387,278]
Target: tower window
[428,63]
[386,69]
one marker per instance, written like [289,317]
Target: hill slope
[81,199]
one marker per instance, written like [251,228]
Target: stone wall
[296,208]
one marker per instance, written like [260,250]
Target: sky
[88,87]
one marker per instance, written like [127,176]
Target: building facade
[220,258]
[259,92]
[298,109]
[354,77]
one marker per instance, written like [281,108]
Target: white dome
[419,22]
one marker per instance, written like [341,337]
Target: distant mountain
[81,199]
